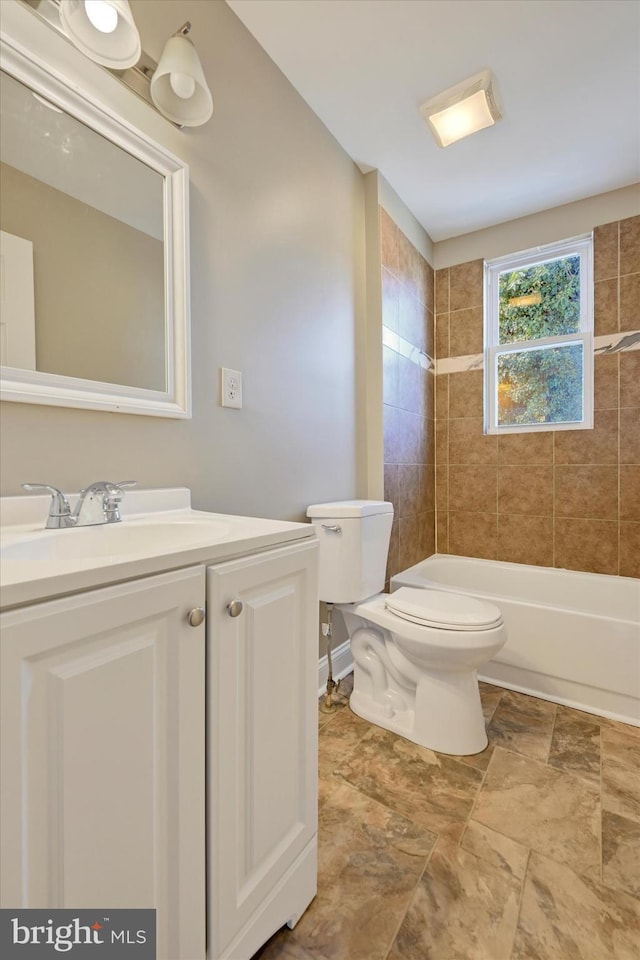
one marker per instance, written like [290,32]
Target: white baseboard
[341,662]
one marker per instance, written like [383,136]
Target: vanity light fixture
[178,86]
[105,31]
[461,110]
[102,29]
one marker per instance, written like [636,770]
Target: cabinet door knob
[235,608]
[196,616]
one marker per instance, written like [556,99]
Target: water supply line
[329,705]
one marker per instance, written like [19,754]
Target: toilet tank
[354,542]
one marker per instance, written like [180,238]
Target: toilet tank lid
[349,508]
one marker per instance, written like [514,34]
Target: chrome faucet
[98,503]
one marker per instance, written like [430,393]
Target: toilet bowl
[416,651]
[417,675]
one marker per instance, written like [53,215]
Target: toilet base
[447,718]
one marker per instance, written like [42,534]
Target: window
[539,339]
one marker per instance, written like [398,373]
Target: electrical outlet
[231,388]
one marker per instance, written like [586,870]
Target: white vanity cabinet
[112,707]
[262,676]
[102,776]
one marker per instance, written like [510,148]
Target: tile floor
[528,851]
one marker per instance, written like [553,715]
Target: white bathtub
[573,638]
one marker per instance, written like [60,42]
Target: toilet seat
[443,609]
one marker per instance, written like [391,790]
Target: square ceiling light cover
[461,110]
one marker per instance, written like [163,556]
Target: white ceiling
[568,73]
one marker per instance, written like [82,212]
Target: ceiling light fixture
[105,31]
[461,110]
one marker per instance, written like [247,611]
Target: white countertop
[37,565]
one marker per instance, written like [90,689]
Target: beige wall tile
[442,290]
[409,545]
[442,335]
[473,534]
[605,251]
[427,488]
[408,490]
[442,440]
[629,492]
[526,448]
[406,263]
[442,532]
[391,434]
[465,285]
[523,539]
[630,246]
[605,307]
[430,327]
[442,489]
[472,488]
[427,535]
[442,396]
[392,485]
[525,490]
[390,376]
[629,549]
[605,384]
[411,320]
[466,394]
[429,382]
[630,379]
[589,545]
[410,393]
[389,234]
[586,491]
[599,445]
[390,301]
[630,302]
[393,556]
[468,443]
[630,435]
[466,332]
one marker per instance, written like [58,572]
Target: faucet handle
[125,483]
[59,504]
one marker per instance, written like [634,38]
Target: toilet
[416,651]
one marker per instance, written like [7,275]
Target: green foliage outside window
[540,385]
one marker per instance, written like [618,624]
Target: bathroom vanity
[153,756]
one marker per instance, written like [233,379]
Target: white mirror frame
[28,386]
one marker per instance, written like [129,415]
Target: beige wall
[99,286]
[566,498]
[277,291]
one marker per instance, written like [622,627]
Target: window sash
[491,382]
[577,246]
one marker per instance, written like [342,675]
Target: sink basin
[128,538]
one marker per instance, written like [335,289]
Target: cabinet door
[103,754]
[262,754]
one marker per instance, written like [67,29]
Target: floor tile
[522,724]
[490,698]
[463,908]
[495,848]
[621,853]
[620,772]
[370,860]
[429,788]
[554,813]
[575,745]
[565,916]
[336,741]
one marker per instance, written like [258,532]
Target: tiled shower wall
[408,386]
[567,498]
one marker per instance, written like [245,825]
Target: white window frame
[582,247]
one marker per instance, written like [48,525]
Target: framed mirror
[93,252]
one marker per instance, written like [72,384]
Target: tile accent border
[395,342]
[604,345]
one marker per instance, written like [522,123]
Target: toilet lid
[439,608]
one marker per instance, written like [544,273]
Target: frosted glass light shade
[178,87]
[461,110]
[117,49]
